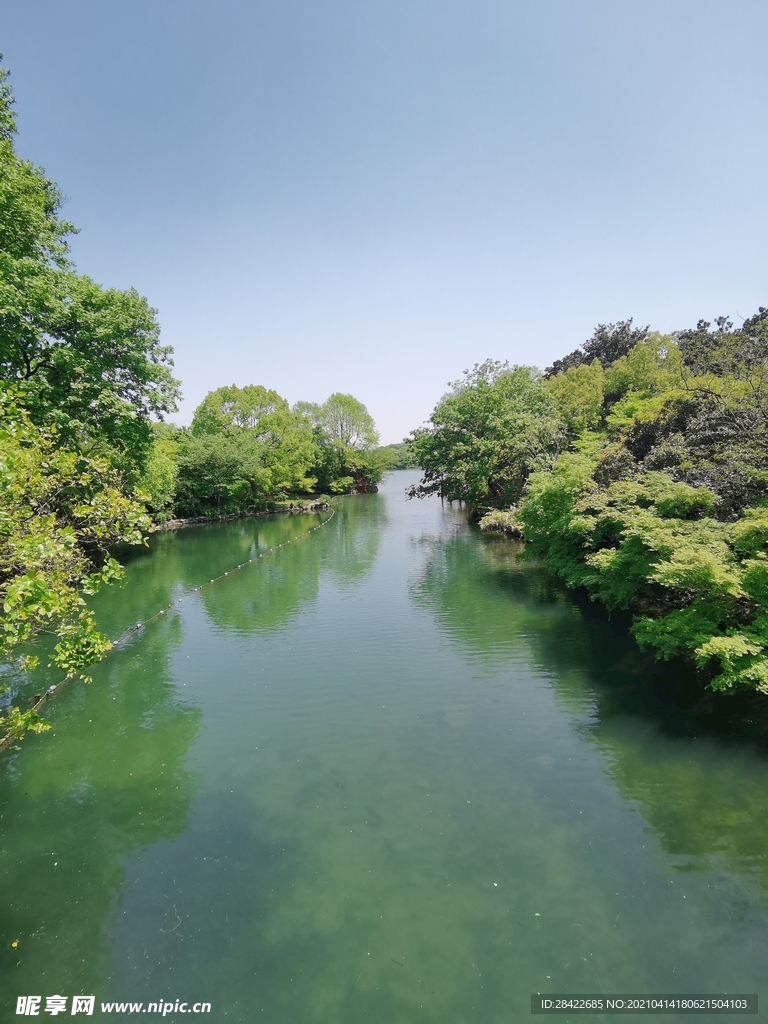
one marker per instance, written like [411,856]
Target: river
[384,772]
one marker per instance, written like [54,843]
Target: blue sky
[327,195]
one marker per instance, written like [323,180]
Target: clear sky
[370,197]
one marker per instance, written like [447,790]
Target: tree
[157,484]
[82,373]
[87,358]
[660,506]
[608,343]
[60,513]
[102,374]
[235,407]
[651,367]
[695,405]
[398,456]
[725,351]
[219,474]
[309,410]
[651,544]
[348,424]
[345,438]
[245,446]
[494,427]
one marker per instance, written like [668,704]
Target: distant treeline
[636,467]
[399,456]
[247,448]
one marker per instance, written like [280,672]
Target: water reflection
[270,593]
[488,605]
[349,551]
[109,777]
[706,802]
[266,594]
[424,784]
[704,796]
[178,560]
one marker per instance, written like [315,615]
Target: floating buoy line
[133,631]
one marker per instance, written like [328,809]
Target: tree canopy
[486,435]
[82,374]
[247,448]
[659,503]
[236,407]
[608,343]
[347,423]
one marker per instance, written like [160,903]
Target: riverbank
[294,508]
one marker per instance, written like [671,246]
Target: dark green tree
[608,343]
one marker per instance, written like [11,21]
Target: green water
[383,773]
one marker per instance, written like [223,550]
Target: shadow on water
[695,762]
[75,802]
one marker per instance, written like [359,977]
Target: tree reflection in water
[702,789]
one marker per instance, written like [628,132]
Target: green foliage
[724,352]
[236,407]
[661,504]
[344,470]
[246,447]
[219,474]
[496,425]
[502,520]
[608,343]
[579,394]
[82,373]
[345,439]
[399,456]
[371,467]
[545,514]
[60,512]
[7,115]
[649,368]
[348,424]
[651,544]
[101,373]
[157,483]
